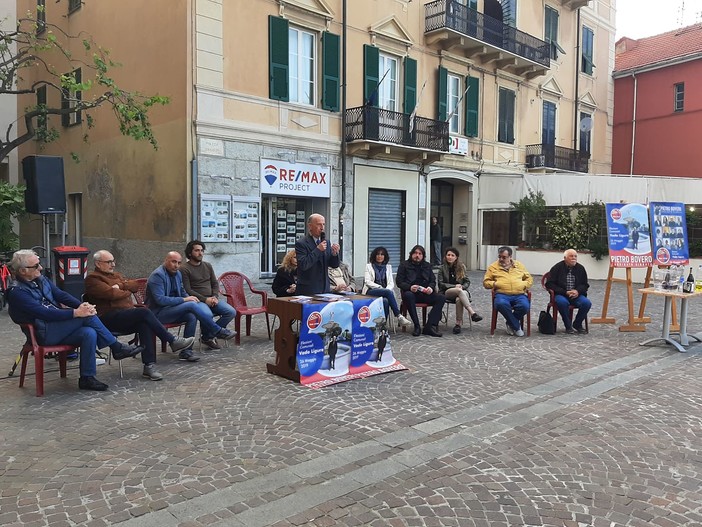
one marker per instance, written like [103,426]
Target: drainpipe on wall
[343,130]
[633,126]
[193,175]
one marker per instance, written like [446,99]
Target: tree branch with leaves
[29,50]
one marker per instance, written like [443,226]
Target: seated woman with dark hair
[285,281]
[378,281]
[454,284]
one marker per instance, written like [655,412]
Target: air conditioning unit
[535,160]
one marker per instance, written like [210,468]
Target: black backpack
[546,323]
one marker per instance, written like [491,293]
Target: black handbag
[546,323]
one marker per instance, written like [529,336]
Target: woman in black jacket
[285,281]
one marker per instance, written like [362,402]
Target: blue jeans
[513,308]
[389,300]
[225,312]
[189,313]
[87,332]
[581,303]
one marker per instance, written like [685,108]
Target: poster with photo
[291,229]
[282,236]
[245,218]
[300,226]
[282,225]
[291,241]
[282,214]
[669,233]
[300,214]
[215,218]
[281,248]
[629,235]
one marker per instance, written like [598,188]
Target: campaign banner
[344,340]
[669,233]
[629,235]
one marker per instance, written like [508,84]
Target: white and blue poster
[344,340]
[629,235]
[669,233]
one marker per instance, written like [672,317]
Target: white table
[665,334]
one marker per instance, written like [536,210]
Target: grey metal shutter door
[386,223]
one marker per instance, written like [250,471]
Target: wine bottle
[689,285]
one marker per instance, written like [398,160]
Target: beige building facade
[376,113]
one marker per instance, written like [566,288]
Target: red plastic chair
[140,297]
[31,346]
[493,323]
[233,285]
[552,307]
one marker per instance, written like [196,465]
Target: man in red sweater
[111,293]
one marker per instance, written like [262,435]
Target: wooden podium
[285,338]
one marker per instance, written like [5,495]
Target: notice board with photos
[226,218]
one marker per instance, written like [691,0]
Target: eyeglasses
[37,266]
[108,262]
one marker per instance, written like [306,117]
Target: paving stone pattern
[563,430]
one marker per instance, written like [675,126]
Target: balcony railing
[371,123]
[450,14]
[551,156]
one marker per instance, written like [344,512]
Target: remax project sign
[295,179]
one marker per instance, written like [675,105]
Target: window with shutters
[585,130]
[70,98]
[74,5]
[505,125]
[302,62]
[296,71]
[388,88]
[551,31]
[588,44]
[453,99]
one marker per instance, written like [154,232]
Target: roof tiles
[681,42]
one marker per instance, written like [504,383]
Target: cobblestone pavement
[563,430]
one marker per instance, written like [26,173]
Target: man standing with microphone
[315,255]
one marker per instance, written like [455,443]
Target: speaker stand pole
[47,242]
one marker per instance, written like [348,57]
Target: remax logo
[270,173]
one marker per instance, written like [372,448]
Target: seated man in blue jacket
[167,298]
[59,318]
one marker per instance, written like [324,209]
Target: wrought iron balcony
[456,26]
[558,157]
[383,132]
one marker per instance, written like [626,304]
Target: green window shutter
[443,94]
[330,72]
[471,106]
[410,98]
[278,52]
[371,78]
[510,116]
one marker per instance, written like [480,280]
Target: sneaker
[475,317]
[91,383]
[211,343]
[581,331]
[181,343]
[150,372]
[456,329]
[188,355]
[99,361]
[509,330]
[226,334]
[571,331]
[417,331]
[519,332]
[124,351]
[404,321]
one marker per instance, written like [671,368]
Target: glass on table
[658,275]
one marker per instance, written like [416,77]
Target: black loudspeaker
[46,188]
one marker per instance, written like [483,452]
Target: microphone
[322,236]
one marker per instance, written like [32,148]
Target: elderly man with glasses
[112,294]
[510,280]
[60,318]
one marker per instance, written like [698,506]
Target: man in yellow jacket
[510,280]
